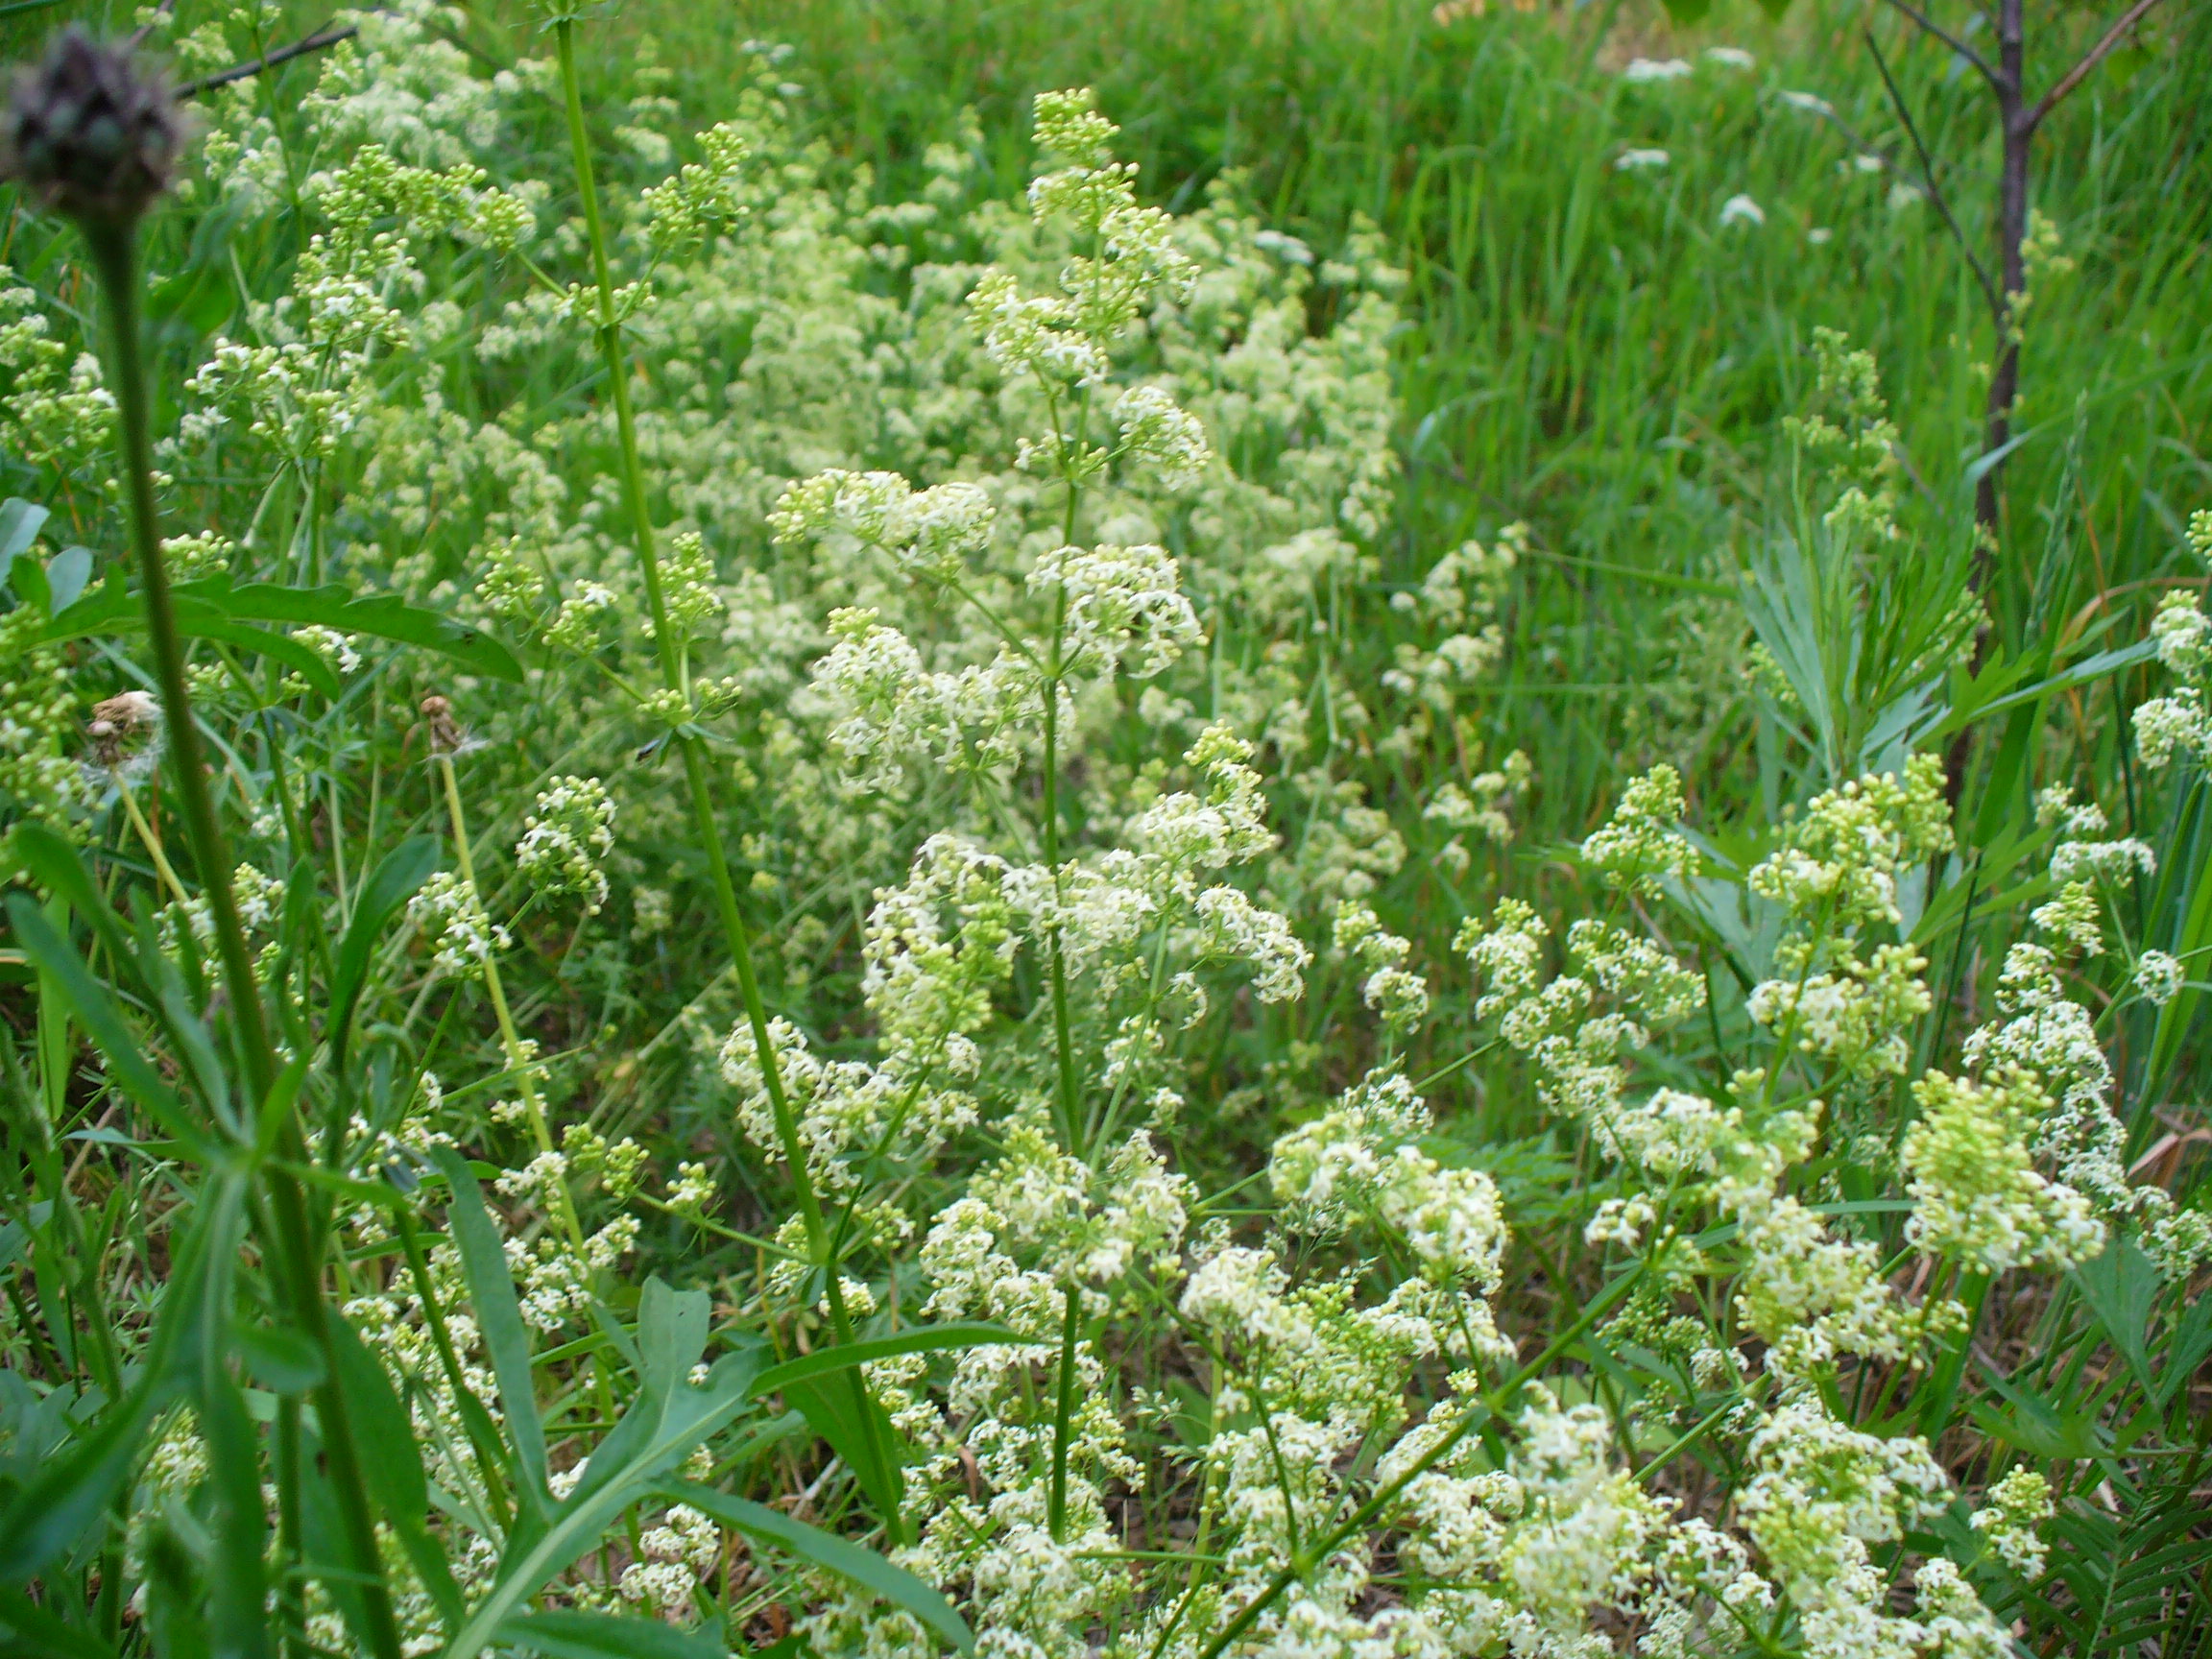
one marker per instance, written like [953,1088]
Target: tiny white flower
[1640,160]
[1820,236]
[1741,209]
[2158,976]
[1644,69]
[1729,57]
[1810,103]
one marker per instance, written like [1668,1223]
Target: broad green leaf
[862,1568]
[20,523]
[842,1411]
[278,1357]
[66,574]
[499,1317]
[214,600]
[568,1635]
[923,1338]
[201,298]
[390,885]
[2120,1286]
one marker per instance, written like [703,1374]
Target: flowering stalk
[821,1244]
[672,672]
[509,1039]
[97,137]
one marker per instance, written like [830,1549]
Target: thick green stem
[115,254]
[114,248]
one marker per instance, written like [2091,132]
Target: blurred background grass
[1588,348]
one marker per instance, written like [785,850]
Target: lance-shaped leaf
[499,1317]
[920,1340]
[666,1420]
[860,1567]
[390,885]
[213,601]
[562,1634]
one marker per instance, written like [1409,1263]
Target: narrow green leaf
[33,1633]
[49,1512]
[922,1338]
[392,1464]
[390,885]
[862,1568]
[655,1435]
[499,1317]
[235,1612]
[88,1002]
[214,602]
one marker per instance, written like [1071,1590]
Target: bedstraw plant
[732,936]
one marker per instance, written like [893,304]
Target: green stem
[1064,1409]
[633,498]
[115,254]
[691,747]
[114,250]
[291,1604]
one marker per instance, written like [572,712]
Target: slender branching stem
[150,842]
[692,749]
[1476,1415]
[519,1061]
[671,658]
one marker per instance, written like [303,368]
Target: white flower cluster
[565,841]
[1120,608]
[1400,995]
[2178,723]
[453,918]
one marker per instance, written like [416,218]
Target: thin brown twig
[1927,178]
[1932,27]
[315,42]
[2097,54]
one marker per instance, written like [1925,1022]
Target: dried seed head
[92,130]
[445,735]
[125,734]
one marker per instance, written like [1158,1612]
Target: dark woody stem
[113,244]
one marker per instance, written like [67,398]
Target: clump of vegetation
[776,910]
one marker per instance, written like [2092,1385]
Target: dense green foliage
[1320,898]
